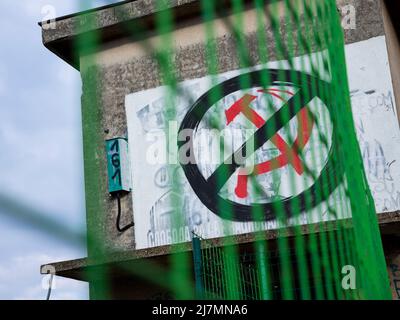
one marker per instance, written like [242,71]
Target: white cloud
[3,76]
[63,289]
[40,123]
[34,8]
[67,76]
[2,87]
[20,279]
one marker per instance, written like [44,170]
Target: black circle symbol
[208,190]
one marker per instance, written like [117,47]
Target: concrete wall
[123,67]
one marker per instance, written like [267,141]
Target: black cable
[127,227]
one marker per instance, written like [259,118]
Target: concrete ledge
[104,17]
[81,269]
[135,20]
[114,22]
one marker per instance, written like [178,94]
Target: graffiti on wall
[380,162]
[276,164]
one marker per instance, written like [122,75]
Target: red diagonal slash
[288,155]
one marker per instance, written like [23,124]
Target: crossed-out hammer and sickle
[289,154]
[208,189]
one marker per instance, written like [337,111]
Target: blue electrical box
[119,173]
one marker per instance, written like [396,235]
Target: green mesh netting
[329,221]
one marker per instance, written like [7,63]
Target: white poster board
[377,129]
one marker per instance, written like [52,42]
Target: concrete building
[122,63]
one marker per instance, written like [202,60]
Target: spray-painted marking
[209,189]
[289,154]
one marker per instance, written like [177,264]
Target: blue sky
[41,141]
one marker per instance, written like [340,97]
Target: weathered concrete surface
[105,18]
[369,19]
[116,79]
[106,85]
[132,19]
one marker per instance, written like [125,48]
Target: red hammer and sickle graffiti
[289,154]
